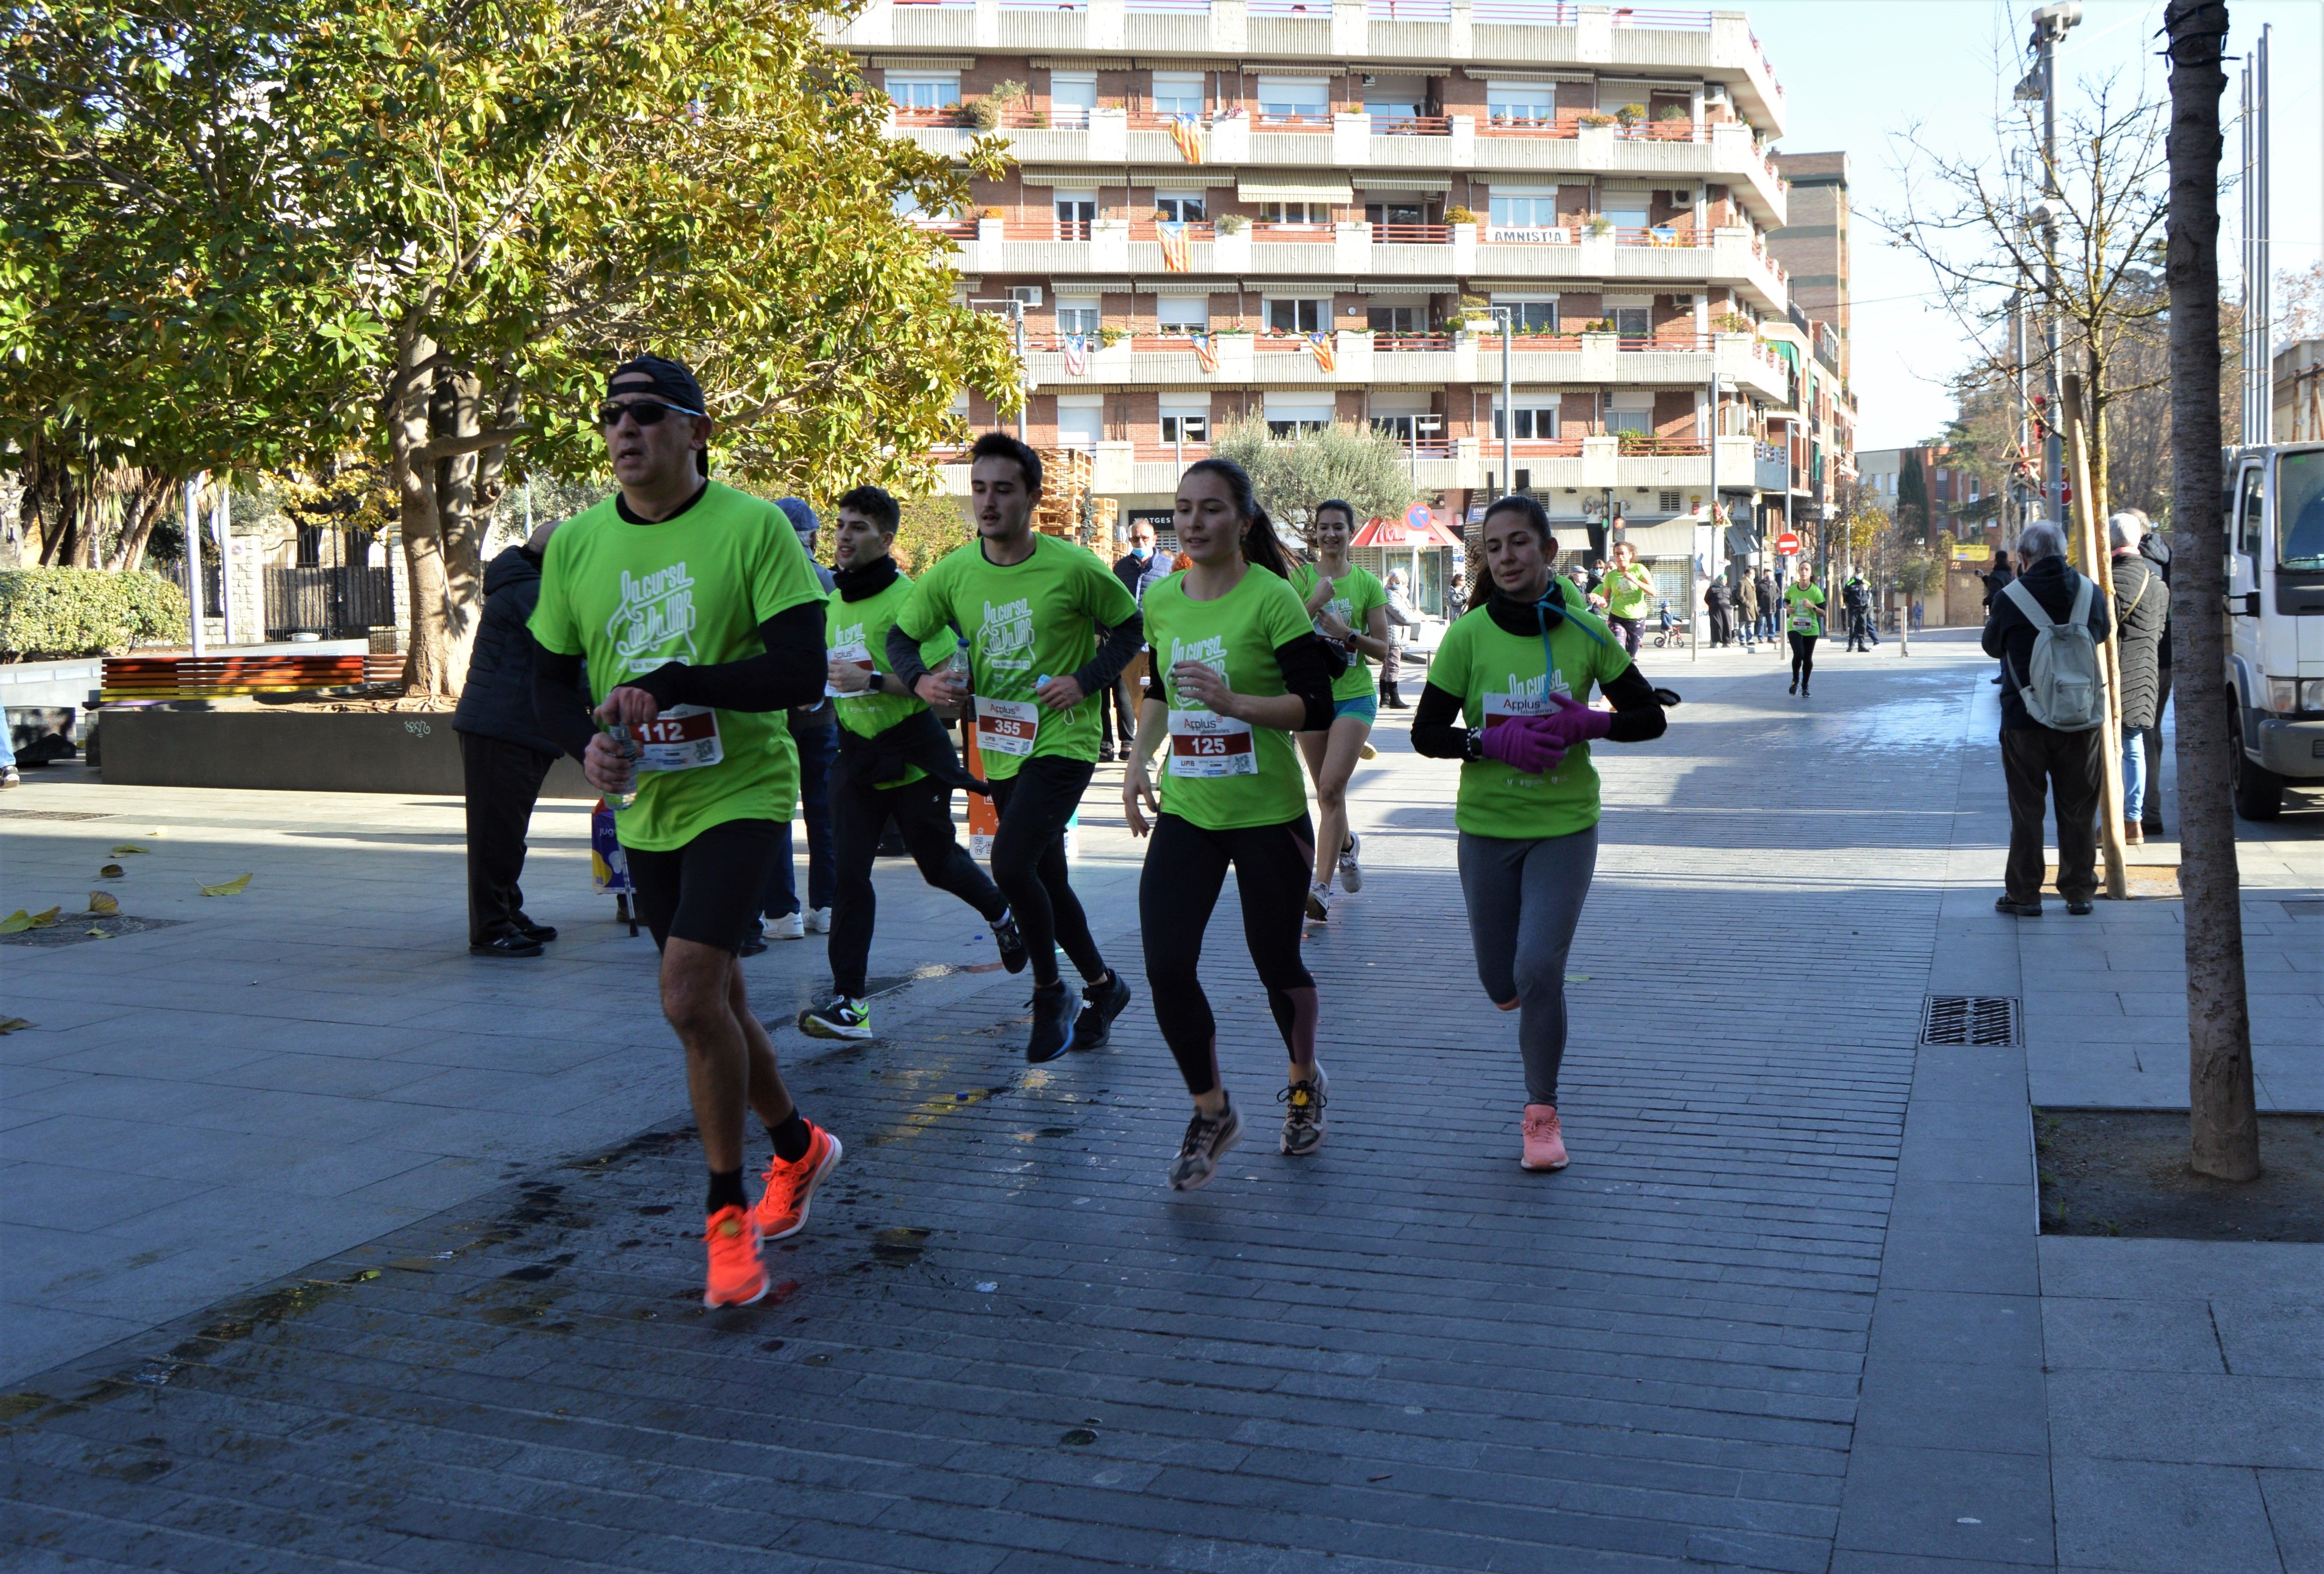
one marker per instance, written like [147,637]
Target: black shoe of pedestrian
[1105,754]
[1795,685]
[1053,1025]
[531,931]
[1100,1004]
[1013,954]
[752,943]
[2010,909]
[2079,909]
[514,943]
[1803,691]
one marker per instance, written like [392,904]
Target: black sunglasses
[645,412]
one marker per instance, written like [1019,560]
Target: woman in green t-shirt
[1804,615]
[1238,670]
[1350,607]
[1518,670]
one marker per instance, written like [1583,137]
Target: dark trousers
[923,814]
[817,748]
[1028,863]
[2040,765]
[1859,630]
[503,781]
[1114,700]
[1721,630]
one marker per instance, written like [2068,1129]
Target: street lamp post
[1508,412]
[1016,310]
[2050,23]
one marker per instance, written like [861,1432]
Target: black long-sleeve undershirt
[1308,665]
[789,672]
[1437,730]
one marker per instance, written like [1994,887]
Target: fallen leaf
[1577,978]
[232,887]
[43,920]
[100,933]
[14,1024]
[125,849]
[16,923]
[112,871]
[102,902]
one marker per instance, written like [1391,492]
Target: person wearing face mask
[1507,696]
[1238,669]
[1350,609]
[1131,568]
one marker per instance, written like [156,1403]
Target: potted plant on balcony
[1112,334]
[1733,322]
[1459,215]
[1629,115]
[1593,118]
[1600,227]
[1233,224]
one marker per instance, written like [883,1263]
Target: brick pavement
[1004,1345]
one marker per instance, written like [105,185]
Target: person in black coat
[504,754]
[1998,578]
[1717,602]
[2154,546]
[2141,611]
[1131,568]
[2040,762]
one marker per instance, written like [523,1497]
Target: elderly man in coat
[2142,610]
[505,754]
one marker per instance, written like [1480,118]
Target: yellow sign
[1976,553]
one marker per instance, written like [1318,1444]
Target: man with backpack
[2046,628]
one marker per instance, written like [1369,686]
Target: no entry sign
[1787,545]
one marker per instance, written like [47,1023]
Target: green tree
[1290,475]
[1913,498]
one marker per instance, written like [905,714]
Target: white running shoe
[818,920]
[789,926]
[1319,904]
[1351,874]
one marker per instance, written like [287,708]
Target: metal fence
[334,603]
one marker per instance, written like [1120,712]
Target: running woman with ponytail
[1350,609]
[1507,696]
[1238,670]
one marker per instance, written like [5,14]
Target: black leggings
[923,815]
[1802,656]
[1185,868]
[1028,863]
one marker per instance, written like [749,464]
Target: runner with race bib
[1517,670]
[702,621]
[1803,611]
[1240,669]
[1350,607]
[1030,605]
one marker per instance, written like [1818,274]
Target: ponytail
[1261,546]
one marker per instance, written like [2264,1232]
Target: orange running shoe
[789,1188]
[737,1278]
[1544,1138]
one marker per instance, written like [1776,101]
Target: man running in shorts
[1350,609]
[702,621]
[1031,606]
[895,763]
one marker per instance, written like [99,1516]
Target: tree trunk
[426,669]
[142,508]
[461,514]
[2223,1117]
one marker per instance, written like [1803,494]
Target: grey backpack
[2061,684]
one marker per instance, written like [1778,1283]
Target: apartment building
[1309,211]
[1813,249]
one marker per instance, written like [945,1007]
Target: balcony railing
[1411,344]
[1193,229]
[1411,235]
[1411,125]
[1574,235]
[958,229]
[1310,234]
[1569,127]
[1497,12]
[1523,13]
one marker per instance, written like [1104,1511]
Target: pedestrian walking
[1856,597]
[2154,546]
[896,764]
[1763,588]
[1121,708]
[1240,669]
[701,621]
[2046,625]
[2142,612]
[504,753]
[1804,615]
[1629,592]
[1717,602]
[1747,606]
[1032,606]
[1348,608]
[1996,578]
[815,732]
[1400,615]
[1507,696]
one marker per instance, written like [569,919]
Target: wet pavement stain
[900,1245]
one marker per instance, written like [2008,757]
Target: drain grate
[52,814]
[1969,1020]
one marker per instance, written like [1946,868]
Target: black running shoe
[1206,1142]
[1013,956]
[842,1018]
[1053,1025]
[1100,1004]
[1303,1114]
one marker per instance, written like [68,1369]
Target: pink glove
[1574,723]
[1522,743]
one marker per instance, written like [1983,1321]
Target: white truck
[2274,571]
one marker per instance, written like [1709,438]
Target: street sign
[1787,545]
[1416,516]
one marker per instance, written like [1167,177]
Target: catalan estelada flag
[1076,349]
[1175,256]
[1206,355]
[1325,356]
[1189,138]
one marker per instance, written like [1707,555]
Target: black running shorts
[708,890]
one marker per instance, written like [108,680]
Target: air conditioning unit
[1682,303]
[1024,294]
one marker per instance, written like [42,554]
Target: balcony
[1543,33]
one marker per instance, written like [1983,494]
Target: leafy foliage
[1290,475]
[59,613]
[930,528]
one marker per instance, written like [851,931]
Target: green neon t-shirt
[1354,595]
[1499,674]
[1629,592]
[1805,604]
[695,589]
[857,631]
[1219,773]
[1025,621]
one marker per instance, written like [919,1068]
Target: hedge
[51,615]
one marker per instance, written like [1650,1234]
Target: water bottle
[629,751]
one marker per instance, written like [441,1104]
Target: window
[1396,320]
[1178,93]
[1387,111]
[1077,314]
[1071,96]
[1077,211]
[1404,417]
[1290,415]
[1183,207]
[1081,420]
[2300,512]
[2251,513]
[1298,317]
[1410,210]
[1520,103]
[1183,314]
[1537,418]
[1294,213]
[1630,412]
[1186,418]
[1624,209]
[1530,316]
[1523,208]
[923,90]
[1632,319]
[1294,98]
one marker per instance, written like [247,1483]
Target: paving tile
[2130,1336]
[2193,1418]
[1946,1503]
[2295,1511]
[2161,1519]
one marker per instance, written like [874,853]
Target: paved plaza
[324,1245]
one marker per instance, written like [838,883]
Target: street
[327,1245]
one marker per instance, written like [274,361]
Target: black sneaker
[1013,954]
[1303,1114]
[2011,909]
[1053,1025]
[1100,1004]
[1795,685]
[531,931]
[842,1019]
[1206,1142]
[510,944]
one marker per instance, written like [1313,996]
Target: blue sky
[1858,72]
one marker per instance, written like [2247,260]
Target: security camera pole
[2050,23]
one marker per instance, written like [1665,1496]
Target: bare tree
[2223,1117]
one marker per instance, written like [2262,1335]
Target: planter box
[264,748]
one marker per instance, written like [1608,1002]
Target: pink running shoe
[1545,1143]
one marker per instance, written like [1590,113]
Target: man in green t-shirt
[895,763]
[701,621]
[1029,606]
[1629,593]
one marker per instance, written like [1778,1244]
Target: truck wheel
[2258,791]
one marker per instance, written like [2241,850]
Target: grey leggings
[1524,898]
